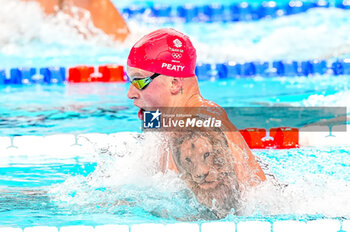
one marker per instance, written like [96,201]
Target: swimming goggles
[142,83]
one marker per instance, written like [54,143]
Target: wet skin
[201,163]
[207,168]
[155,95]
[164,91]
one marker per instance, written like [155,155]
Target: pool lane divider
[105,73]
[278,138]
[289,137]
[58,75]
[204,71]
[215,12]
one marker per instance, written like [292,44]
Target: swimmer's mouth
[140,113]
[142,110]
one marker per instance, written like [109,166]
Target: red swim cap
[165,51]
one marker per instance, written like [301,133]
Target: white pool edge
[321,225]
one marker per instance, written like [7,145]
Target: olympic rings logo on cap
[176,55]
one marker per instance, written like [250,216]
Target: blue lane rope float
[21,76]
[53,75]
[24,75]
[204,71]
[2,77]
[227,13]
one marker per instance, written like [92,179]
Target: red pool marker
[280,138]
[112,73]
[253,137]
[80,74]
[268,142]
[285,137]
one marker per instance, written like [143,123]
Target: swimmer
[103,14]
[161,69]
[204,162]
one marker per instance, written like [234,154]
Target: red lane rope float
[285,137]
[106,73]
[254,136]
[280,138]
[112,73]
[80,74]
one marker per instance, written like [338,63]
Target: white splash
[26,24]
[318,33]
[128,173]
[337,99]
[315,181]
[309,195]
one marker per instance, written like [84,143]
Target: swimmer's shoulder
[206,105]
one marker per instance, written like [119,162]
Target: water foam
[25,24]
[318,33]
[127,176]
[317,195]
[316,182]
[337,99]
[33,38]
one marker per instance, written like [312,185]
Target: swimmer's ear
[176,85]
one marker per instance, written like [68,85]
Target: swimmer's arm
[106,17]
[103,14]
[242,154]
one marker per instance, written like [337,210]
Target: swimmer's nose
[133,92]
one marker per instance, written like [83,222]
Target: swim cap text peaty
[165,51]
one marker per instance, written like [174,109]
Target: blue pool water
[42,194]
[104,108]
[95,189]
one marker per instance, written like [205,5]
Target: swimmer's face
[201,163]
[156,94]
